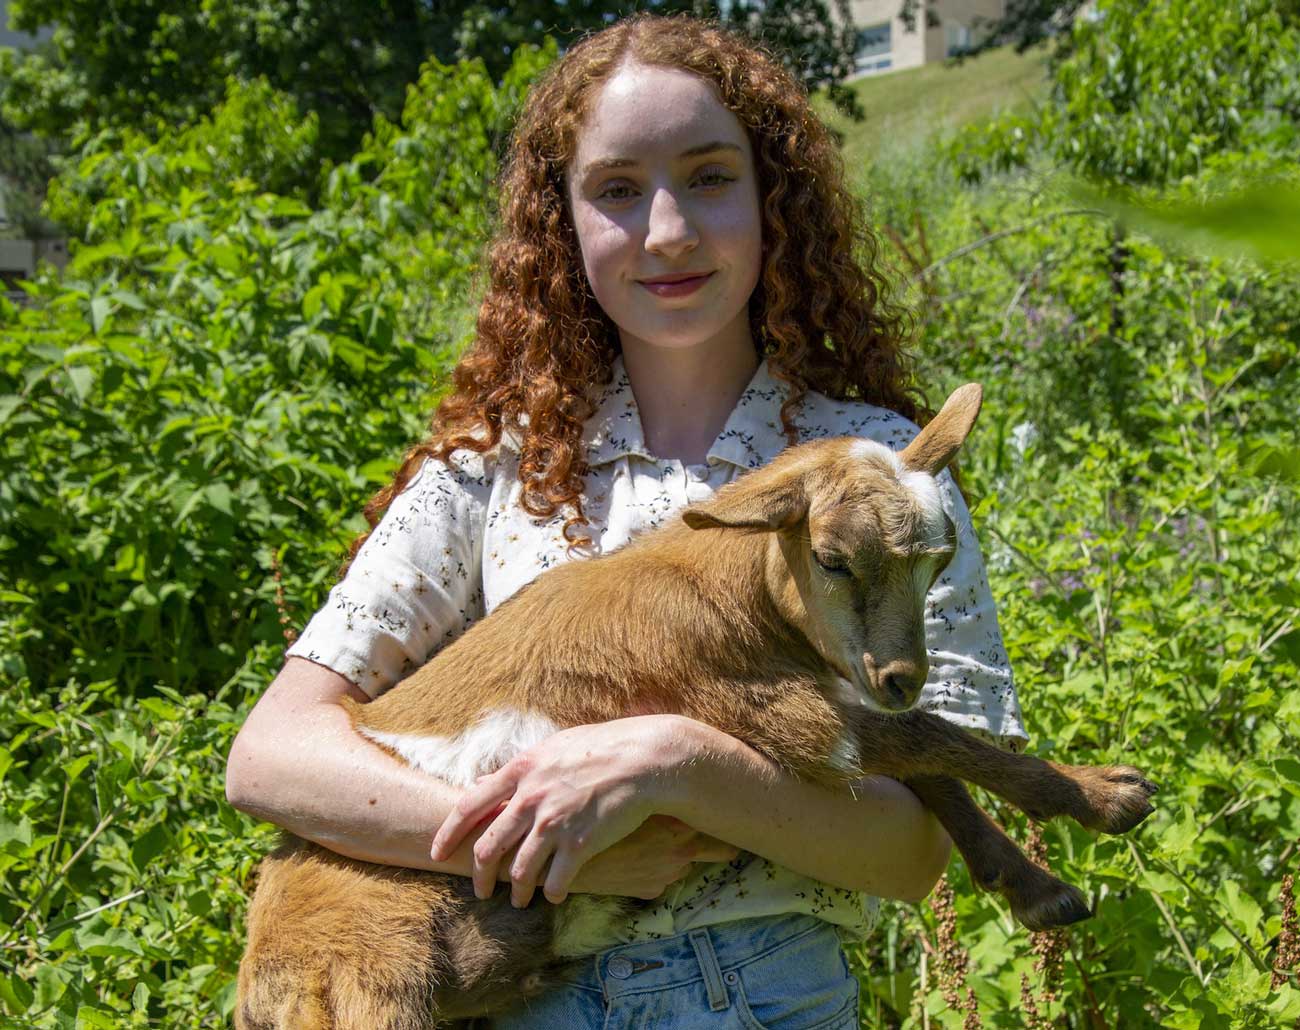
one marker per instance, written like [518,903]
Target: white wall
[910,49]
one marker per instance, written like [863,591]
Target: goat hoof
[1129,800]
[1059,906]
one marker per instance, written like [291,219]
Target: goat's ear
[752,502]
[938,443]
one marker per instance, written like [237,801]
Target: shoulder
[463,474]
[823,417]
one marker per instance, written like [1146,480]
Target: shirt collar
[751,437]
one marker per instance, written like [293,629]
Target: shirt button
[619,967]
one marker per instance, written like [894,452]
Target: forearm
[878,838]
[298,763]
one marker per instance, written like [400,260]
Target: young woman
[681,285]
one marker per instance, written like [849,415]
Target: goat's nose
[900,683]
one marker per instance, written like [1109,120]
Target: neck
[685,394]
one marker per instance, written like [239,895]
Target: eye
[610,192]
[720,178]
[835,564]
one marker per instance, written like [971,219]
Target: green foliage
[218,372]
[1258,221]
[217,385]
[1148,92]
[255,141]
[227,372]
[1137,473]
[116,843]
[153,65]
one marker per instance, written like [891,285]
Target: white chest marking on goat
[483,748]
[845,756]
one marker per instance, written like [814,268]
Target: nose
[670,231]
[899,683]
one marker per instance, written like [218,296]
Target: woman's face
[663,185]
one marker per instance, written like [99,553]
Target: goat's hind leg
[336,944]
[1038,899]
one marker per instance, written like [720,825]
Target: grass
[907,110]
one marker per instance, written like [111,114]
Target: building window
[958,38]
[874,43]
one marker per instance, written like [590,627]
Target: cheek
[739,228]
[603,243]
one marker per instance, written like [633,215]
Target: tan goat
[787,611]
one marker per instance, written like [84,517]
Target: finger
[505,831]
[564,867]
[471,808]
[526,869]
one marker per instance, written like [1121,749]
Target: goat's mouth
[857,689]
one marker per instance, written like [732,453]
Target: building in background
[943,28]
[18,256]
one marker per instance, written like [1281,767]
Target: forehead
[646,113]
[873,493]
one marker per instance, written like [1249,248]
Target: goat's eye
[836,564]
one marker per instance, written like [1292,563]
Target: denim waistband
[707,954]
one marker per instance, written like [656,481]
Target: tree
[149,63]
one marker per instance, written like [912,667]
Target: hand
[567,799]
[648,860]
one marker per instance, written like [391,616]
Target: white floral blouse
[455,544]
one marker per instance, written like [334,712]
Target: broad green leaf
[100,307]
[83,381]
[99,1018]
[110,941]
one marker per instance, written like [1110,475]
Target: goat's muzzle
[897,684]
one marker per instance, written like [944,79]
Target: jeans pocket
[803,984]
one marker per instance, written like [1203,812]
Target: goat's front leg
[1110,798]
[1037,898]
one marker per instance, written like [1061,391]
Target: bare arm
[569,797]
[878,838]
[298,763]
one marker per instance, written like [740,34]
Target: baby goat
[787,611]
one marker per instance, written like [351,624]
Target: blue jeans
[775,973]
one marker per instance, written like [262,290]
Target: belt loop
[718,999]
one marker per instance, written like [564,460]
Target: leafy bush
[209,395]
[1147,92]
[226,373]
[1137,470]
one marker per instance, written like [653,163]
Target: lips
[678,278]
[675,285]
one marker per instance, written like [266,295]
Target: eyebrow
[712,147]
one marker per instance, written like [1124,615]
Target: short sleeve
[970,680]
[416,583]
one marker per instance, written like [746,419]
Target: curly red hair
[820,313]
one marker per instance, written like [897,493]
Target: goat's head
[862,537]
